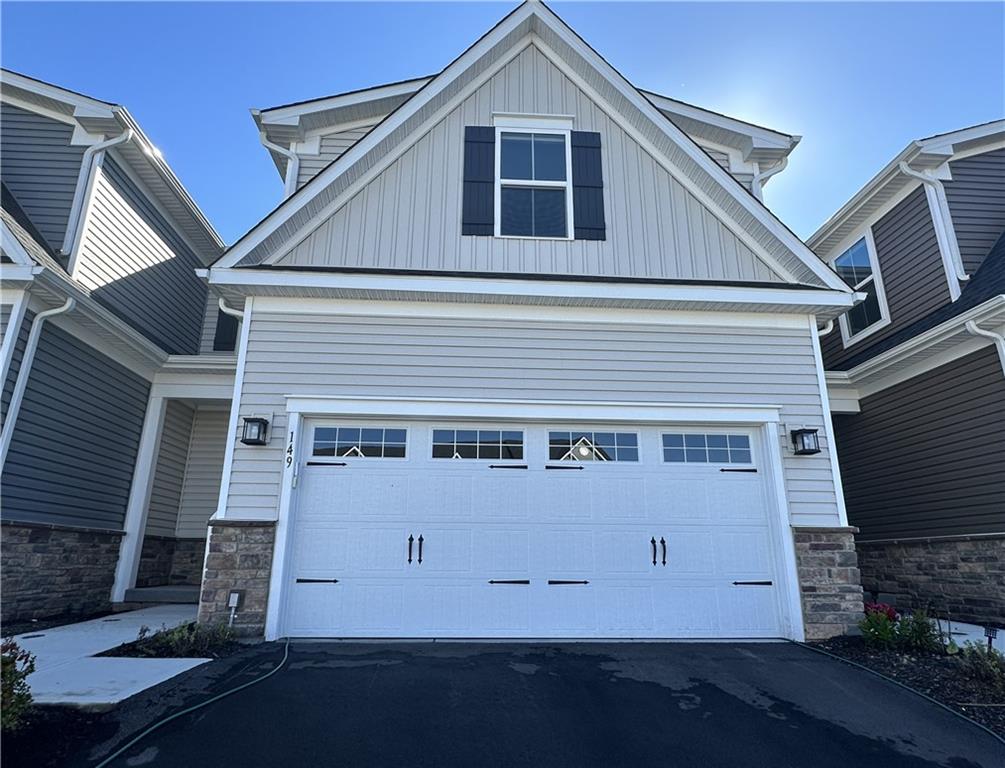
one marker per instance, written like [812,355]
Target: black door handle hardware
[663,543]
[317,581]
[410,541]
[653,542]
[752,583]
[420,549]
[569,466]
[327,464]
[507,466]
[565,581]
[728,469]
[509,581]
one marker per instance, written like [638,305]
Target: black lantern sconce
[256,431]
[805,442]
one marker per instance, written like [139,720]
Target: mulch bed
[50,735]
[934,675]
[151,648]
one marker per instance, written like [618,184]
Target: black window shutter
[587,186]
[478,208]
[225,338]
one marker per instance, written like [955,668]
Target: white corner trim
[274,618]
[235,410]
[828,421]
[532,410]
[13,249]
[11,332]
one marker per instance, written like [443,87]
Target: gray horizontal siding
[409,216]
[137,265]
[201,491]
[333,146]
[976,197]
[914,278]
[412,357]
[74,445]
[40,167]
[169,473]
[927,457]
[15,360]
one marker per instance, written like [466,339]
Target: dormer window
[532,179]
[858,268]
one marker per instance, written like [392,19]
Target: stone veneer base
[52,570]
[829,581]
[166,560]
[239,558]
[963,578]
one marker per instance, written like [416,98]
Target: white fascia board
[290,115]
[13,249]
[534,410]
[535,288]
[88,107]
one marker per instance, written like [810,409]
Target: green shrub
[917,632]
[982,663]
[878,630]
[15,696]
[186,640]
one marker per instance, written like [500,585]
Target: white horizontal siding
[201,488]
[332,146]
[409,216]
[562,361]
[165,494]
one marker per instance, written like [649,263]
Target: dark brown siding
[911,267]
[976,197]
[927,457]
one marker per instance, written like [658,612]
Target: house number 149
[289,451]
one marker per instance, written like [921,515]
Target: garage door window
[593,446]
[477,444]
[698,448]
[360,442]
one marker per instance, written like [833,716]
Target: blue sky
[857,81]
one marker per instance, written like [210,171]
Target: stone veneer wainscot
[239,558]
[829,581]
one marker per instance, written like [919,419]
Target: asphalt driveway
[445,705]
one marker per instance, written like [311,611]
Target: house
[917,373]
[520,354]
[111,352]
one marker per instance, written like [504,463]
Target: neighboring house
[917,373]
[521,354]
[103,323]
[531,353]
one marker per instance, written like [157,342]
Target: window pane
[394,451]
[716,441]
[739,456]
[443,451]
[694,441]
[467,436]
[348,435]
[718,455]
[443,436]
[516,216]
[549,212]
[853,265]
[673,454]
[515,160]
[739,441]
[865,314]
[394,435]
[696,455]
[549,158]
[674,441]
[489,452]
[628,454]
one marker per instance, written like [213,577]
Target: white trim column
[11,332]
[139,497]
[274,620]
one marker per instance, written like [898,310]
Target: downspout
[941,209]
[828,327]
[230,310]
[83,185]
[760,177]
[292,164]
[24,371]
[997,338]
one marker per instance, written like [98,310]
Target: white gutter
[24,371]
[230,310]
[826,329]
[292,163]
[943,221]
[997,338]
[82,191]
[762,176]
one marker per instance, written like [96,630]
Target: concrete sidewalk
[67,672]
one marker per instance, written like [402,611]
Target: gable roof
[712,185]
[104,118]
[921,155]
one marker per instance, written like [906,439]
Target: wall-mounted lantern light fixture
[805,442]
[256,431]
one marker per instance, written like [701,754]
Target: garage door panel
[671,498]
[502,609]
[441,496]
[688,610]
[617,499]
[568,609]
[561,553]
[504,553]
[735,500]
[625,609]
[373,608]
[321,550]
[501,498]
[378,495]
[376,549]
[560,498]
[748,609]
[690,553]
[444,550]
[438,607]
[315,608]
[624,553]
[743,553]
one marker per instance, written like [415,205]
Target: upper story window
[534,195]
[858,268]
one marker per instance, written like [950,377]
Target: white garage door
[507,530]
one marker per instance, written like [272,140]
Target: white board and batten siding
[409,216]
[169,474]
[331,147]
[201,489]
[403,357]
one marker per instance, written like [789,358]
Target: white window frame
[350,424]
[521,126]
[615,428]
[704,430]
[454,427]
[847,337]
